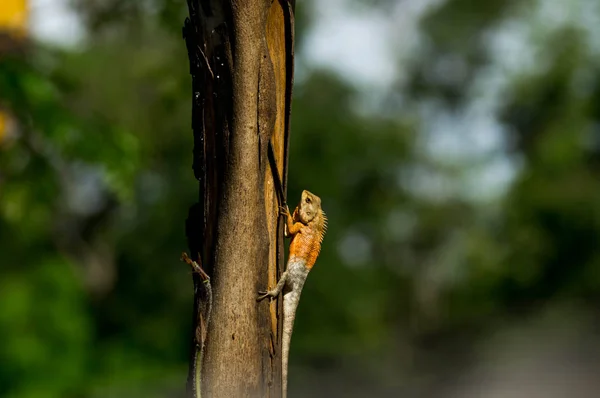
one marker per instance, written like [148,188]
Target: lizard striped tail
[290,303]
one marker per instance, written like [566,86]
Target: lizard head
[309,212]
[309,207]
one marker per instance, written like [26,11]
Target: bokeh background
[455,145]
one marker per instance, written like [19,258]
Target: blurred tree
[13,21]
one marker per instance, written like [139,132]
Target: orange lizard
[307,228]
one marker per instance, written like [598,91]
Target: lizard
[306,227]
[203,295]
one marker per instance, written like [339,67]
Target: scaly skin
[307,228]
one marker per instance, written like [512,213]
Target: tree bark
[241,62]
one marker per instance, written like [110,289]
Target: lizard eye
[307,200]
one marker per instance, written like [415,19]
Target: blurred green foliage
[96,181]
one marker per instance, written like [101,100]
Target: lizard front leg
[292,227]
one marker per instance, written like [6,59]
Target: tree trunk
[241,62]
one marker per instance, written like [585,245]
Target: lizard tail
[290,303]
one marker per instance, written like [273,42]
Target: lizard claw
[284,210]
[262,295]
